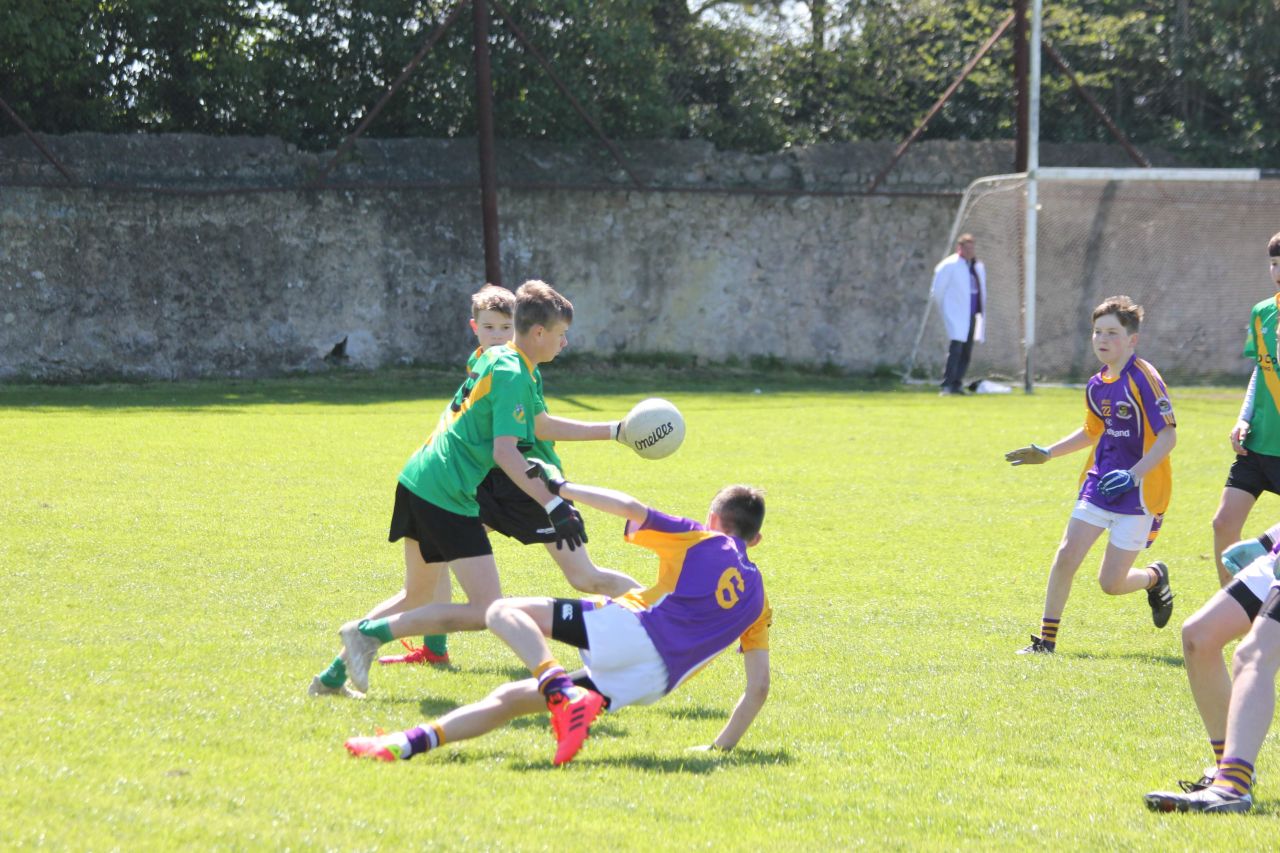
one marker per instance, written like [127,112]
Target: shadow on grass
[510,673]
[430,707]
[1270,808]
[696,712]
[689,762]
[1167,660]
[356,387]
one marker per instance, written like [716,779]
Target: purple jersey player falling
[708,595]
[1125,414]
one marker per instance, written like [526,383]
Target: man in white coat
[960,289]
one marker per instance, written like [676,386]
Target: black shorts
[567,626]
[1239,590]
[442,536]
[1271,607]
[506,508]
[1255,473]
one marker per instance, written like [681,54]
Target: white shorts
[1258,576]
[1128,532]
[622,661]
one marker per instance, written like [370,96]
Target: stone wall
[225,265]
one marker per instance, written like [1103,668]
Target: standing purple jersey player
[1127,412]
[1127,481]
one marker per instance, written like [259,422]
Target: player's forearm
[550,428]
[744,714]
[606,500]
[1078,440]
[1160,448]
[753,698]
[1246,405]
[507,457]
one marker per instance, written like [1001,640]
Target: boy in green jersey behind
[1256,435]
[495,411]
[504,506]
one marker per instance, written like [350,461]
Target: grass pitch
[176,559]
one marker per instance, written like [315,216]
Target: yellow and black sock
[1234,775]
[1049,630]
[552,678]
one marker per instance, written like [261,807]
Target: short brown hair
[1128,312]
[537,304]
[1273,246]
[964,238]
[741,510]
[493,297]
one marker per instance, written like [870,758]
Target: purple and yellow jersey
[707,597]
[1124,414]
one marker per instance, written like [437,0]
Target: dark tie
[975,285]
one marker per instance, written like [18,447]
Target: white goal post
[1189,245]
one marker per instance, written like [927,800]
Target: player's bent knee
[496,613]
[1225,528]
[1254,656]
[1196,637]
[1112,587]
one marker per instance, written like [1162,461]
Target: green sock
[336,674]
[376,628]
[437,644]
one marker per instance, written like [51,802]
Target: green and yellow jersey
[1260,345]
[500,397]
[541,449]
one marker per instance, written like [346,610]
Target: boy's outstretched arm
[605,500]
[1034,453]
[548,427]
[756,663]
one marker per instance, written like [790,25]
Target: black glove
[537,468]
[568,524]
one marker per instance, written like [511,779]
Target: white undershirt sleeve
[1246,408]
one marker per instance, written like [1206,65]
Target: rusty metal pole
[350,141]
[1098,110]
[35,140]
[938,105]
[1021,63]
[488,170]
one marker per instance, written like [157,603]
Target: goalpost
[1187,244]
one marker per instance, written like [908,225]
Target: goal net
[1189,245]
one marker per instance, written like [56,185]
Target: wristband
[615,429]
[552,504]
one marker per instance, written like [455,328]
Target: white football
[653,428]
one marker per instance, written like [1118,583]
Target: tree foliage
[1202,78]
